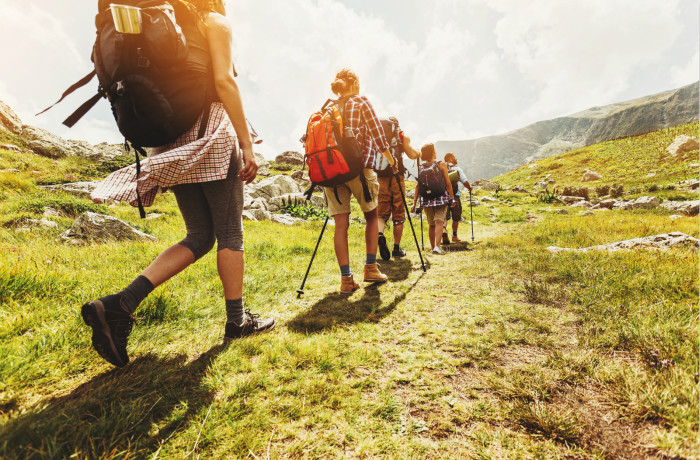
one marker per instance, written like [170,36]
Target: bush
[281,166]
[548,197]
[617,190]
[583,192]
[602,190]
[304,211]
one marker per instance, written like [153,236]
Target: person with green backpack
[457,177]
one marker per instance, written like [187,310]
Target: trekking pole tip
[299,293]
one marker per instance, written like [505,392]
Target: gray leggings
[212,211]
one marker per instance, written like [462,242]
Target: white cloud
[686,74]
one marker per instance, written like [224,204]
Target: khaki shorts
[436,213]
[353,188]
[390,201]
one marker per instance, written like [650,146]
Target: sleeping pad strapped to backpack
[394,137]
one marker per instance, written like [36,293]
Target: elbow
[225,84]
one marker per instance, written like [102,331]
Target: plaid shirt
[361,117]
[188,160]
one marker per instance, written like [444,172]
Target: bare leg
[168,264]
[455,226]
[438,232]
[431,236]
[398,232]
[340,240]
[371,232]
[231,265]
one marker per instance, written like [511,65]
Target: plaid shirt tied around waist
[188,160]
[360,116]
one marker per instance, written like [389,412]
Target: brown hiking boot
[348,285]
[373,275]
[455,239]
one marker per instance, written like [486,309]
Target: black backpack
[431,181]
[156,86]
[391,132]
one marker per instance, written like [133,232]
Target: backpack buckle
[141,60]
[120,90]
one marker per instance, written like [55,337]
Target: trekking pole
[410,221]
[300,291]
[471,210]
[422,243]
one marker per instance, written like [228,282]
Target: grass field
[500,350]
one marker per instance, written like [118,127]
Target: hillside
[501,350]
[495,155]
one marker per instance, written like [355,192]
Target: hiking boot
[251,325]
[111,326]
[348,285]
[373,275]
[445,239]
[437,250]
[398,252]
[455,239]
[383,248]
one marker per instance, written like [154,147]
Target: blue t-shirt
[462,180]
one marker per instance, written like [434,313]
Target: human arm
[408,148]
[463,178]
[219,37]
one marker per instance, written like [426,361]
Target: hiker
[368,131]
[392,188]
[455,212]
[435,192]
[209,195]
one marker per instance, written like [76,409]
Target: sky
[447,69]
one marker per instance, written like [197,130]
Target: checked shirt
[369,133]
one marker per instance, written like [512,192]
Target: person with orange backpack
[346,168]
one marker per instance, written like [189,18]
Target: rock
[519,189]
[589,176]
[533,166]
[582,204]
[28,224]
[10,148]
[475,203]
[80,189]
[263,165]
[103,151]
[609,204]
[488,199]
[51,212]
[49,145]
[650,175]
[301,176]
[572,199]
[9,120]
[259,203]
[248,215]
[153,216]
[586,213]
[290,158]
[692,184]
[285,219]
[682,144]
[689,208]
[92,227]
[660,242]
[623,205]
[542,184]
[275,186]
[562,211]
[675,217]
[260,214]
[484,184]
[646,202]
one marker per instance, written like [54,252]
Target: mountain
[491,156]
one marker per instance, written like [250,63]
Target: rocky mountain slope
[494,155]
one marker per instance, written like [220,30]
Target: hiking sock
[454,233]
[345,270]
[234,312]
[396,247]
[371,259]
[133,294]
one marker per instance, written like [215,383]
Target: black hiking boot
[383,248]
[398,252]
[111,326]
[251,325]
[445,239]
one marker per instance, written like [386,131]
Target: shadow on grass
[115,412]
[338,309]
[464,246]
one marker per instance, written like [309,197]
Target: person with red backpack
[363,124]
[206,167]
[435,193]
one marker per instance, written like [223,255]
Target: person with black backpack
[392,187]
[457,177]
[206,166]
[363,124]
[435,193]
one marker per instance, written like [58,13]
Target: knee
[199,244]
[232,240]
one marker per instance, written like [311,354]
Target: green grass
[502,350]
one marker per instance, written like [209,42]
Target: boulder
[301,176]
[29,224]
[80,189]
[624,205]
[542,184]
[646,202]
[258,203]
[290,158]
[519,189]
[586,213]
[609,204]
[682,144]
[49,145]
[51,212]
[275,186]
[102,151]
[659,242]
[248,215]
[92,227]
[688,208]
[589,176]
[285,219]
[572,199]
[260,214]
[533,166]
[263,165]
[9,121]
[582,204]
[488,199]
[10,148]
[562,211]
[484,184]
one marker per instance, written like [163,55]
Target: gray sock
[234,312]
[133,294]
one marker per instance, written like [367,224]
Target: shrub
[602,190]
[583,192]
[547,197]
[281,166]
[617,190]
[304,211]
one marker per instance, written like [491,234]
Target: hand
[453,204]
[250,166]
[395,169]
